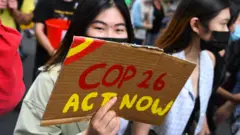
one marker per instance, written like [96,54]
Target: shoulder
[212,57]
[42,87]
[51,73]
[44,4]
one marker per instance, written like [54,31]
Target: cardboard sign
[146,82]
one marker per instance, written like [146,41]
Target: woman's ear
[195,25]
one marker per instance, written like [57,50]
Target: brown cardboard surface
[176,74]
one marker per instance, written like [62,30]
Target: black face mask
[218,42]
[118,40]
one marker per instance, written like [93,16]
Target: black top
[158,16]
[233,57]
[49,9]
[219,70]
[194,118]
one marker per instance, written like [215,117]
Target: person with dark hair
[158,15]
[102,19]
[231,106]
[48,9]
[196,26]
[219,93]
[142,17]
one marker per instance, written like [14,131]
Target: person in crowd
[196,25]
[26,27]
[233,66]
[17,13]
[169,8]
[142,17]
[158,16]
[49,9]
[12,87]
[219,92]
[106,19]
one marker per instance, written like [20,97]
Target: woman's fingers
[103,110]
[114,126]
[105,122]
[109,116]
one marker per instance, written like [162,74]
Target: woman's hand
[224,112]
[205,129]
[104,122]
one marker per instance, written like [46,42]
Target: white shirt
[183,106]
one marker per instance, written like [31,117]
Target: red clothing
[11,72]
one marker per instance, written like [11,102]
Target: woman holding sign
[105,19]
[196,26]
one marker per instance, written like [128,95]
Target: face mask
[236,34]
[118,40]
[218,42]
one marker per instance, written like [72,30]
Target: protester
[105,19]
[158,15]
[11,73]
[142,17]
[16,13]
[196,25]
[235,47]
[232,105]
[49,9]
[220,71]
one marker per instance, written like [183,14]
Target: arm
[43,12]
[33,107]
[235,98]
[211,55]
[43,39]
[224,112]
[140,128]
[137,19]
[205,129]
[22,18]
[227,95]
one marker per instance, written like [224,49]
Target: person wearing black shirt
[158,15]
[225,62]
[49,9]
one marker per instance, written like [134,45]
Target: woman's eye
[99,28]
[224,24]
[120,30]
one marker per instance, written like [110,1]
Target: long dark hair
[85,13]
[178,34]
[234,10]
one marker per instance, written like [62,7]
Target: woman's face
[218,23]
[108,24]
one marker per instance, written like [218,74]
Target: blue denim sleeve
[136,15]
